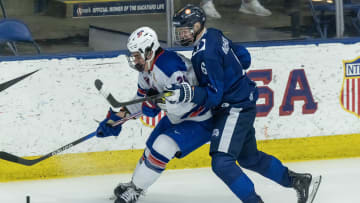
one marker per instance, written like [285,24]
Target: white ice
[340,184]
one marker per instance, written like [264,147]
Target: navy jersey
[220,67]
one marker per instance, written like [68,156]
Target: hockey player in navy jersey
[185,127]
[224,87]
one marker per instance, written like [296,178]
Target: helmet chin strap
[149,61]
[198,32]
[148,65]
[149,50]
[188,42]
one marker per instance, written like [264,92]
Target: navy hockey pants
[233,139]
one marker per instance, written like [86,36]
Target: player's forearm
[200,95]
[206,97]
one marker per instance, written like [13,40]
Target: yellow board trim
[124,161]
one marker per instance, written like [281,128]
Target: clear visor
[183,35]
[136,61]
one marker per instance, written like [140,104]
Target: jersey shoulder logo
[225,46]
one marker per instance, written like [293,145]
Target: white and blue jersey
[220,67]
[188,124]
[169,68]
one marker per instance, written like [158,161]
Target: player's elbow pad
[246,62]
[244,56]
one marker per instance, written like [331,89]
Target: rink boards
[308,109]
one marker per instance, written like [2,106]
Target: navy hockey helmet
[184,20]
[188,16]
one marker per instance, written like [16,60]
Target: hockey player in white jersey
[185,127]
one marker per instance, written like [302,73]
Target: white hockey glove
[181,93]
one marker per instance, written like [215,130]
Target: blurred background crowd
[68,26]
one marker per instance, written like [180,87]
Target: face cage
[133,65]
[183,39]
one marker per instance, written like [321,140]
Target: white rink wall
[58,104]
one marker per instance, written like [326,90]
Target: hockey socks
[224,166]
[154,160]
[278,173]
[151,165]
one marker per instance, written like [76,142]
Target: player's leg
[272,168]
[162,145]
[161,127]
[266,165]
[151,164]
[231,126]
[148,170]
[177,140]
[190,135]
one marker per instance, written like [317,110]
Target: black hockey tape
[98,84]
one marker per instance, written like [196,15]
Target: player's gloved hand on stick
[105,127]
[149,109]
[181,93]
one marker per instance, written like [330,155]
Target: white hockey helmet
[143,40]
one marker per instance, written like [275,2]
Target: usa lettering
[297,89]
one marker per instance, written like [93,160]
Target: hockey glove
[181,93]
[105,127]
[149,109]
[152,92]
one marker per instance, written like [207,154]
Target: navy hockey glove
[149,109]
[105,128]
[181,93]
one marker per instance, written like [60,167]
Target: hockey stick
[5,85]
[132,116]
[116,104]
[29,162]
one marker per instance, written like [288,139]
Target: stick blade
[5,85]
[98,84]
[15,159]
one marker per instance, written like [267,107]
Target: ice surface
[340,184]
